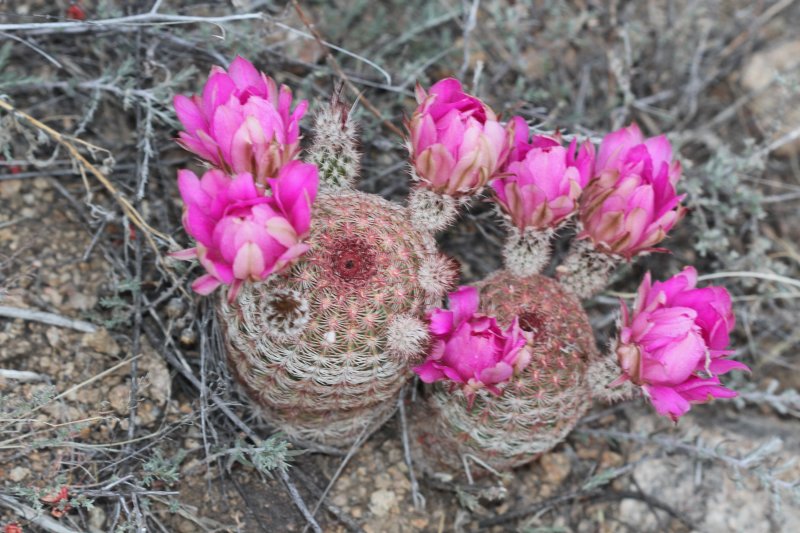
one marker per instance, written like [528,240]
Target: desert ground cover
[117,411]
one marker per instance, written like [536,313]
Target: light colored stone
[101,341]
[556,467]
[381,502]
[119,397]
[97,519]
[159,381]
[775,74]
[18,473]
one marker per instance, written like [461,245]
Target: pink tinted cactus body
[324,349]
[538,406]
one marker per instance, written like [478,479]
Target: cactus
[324,301]
[334,145]
[538,407]
[324,349]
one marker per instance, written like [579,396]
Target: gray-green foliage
[273,453]
[725,203]
[160,468]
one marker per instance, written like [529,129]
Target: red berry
[76,12]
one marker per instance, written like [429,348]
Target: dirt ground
[116,410]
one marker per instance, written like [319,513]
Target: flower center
[284,304]
[531,321]
[353,260]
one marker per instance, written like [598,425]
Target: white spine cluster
[437,275]
[431,211]
[585,271]
[334,147]
[527,252]
[604,371]
[407,336]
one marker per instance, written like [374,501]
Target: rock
[80,301]
[119,397]
[419,523]
[10,188]
[383,481]
[381,502]
[97,519]
[556,467]
[101,341]
[53,336]
[158,377]
[18,473]
[775,73]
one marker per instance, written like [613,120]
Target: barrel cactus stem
[602,374]
[511,413]
[432,211]
[324,349]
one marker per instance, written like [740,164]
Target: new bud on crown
[631,203]
[674,343]
[242,122]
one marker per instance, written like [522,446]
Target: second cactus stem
[538,406]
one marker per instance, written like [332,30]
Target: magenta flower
[542,180]
[523,142]
[456,143]
[470,349]
[631,204]
[242,122]
[674,343]
[241,233]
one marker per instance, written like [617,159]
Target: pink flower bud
[241,233]
[456,143]
[542,180]
[470,349]
[631,204]
[674,343]
[242,122]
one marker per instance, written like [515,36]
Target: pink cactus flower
[674,343]
[242,122]
[456,143]
[631,204]
[542,180]
[523,142]
[241,233]
[470,349]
